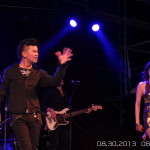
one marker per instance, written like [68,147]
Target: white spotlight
[95,27]
[73,23]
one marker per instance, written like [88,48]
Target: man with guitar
[55,100]
[56,105]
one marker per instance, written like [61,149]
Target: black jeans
[26,128]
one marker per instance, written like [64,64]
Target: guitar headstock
[96,107]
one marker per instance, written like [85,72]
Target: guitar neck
[75,113]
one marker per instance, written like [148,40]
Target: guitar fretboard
[75,113]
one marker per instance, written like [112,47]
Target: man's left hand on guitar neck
[89,110]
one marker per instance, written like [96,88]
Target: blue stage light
[73,23]
[95,27]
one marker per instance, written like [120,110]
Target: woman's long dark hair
[145,74]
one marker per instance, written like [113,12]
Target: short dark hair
[25,42]
[145,74]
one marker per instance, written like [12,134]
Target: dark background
[126,23]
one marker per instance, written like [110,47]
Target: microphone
[75,81]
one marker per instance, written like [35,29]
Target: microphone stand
[5,132]
[75,86]
[5,123]
[5,127]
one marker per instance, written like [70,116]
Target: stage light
[95,27]
[73,23]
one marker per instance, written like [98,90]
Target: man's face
[30,53]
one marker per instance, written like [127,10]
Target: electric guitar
[52,124]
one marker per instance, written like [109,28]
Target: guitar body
[52,124]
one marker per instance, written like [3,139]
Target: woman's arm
[139,94]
